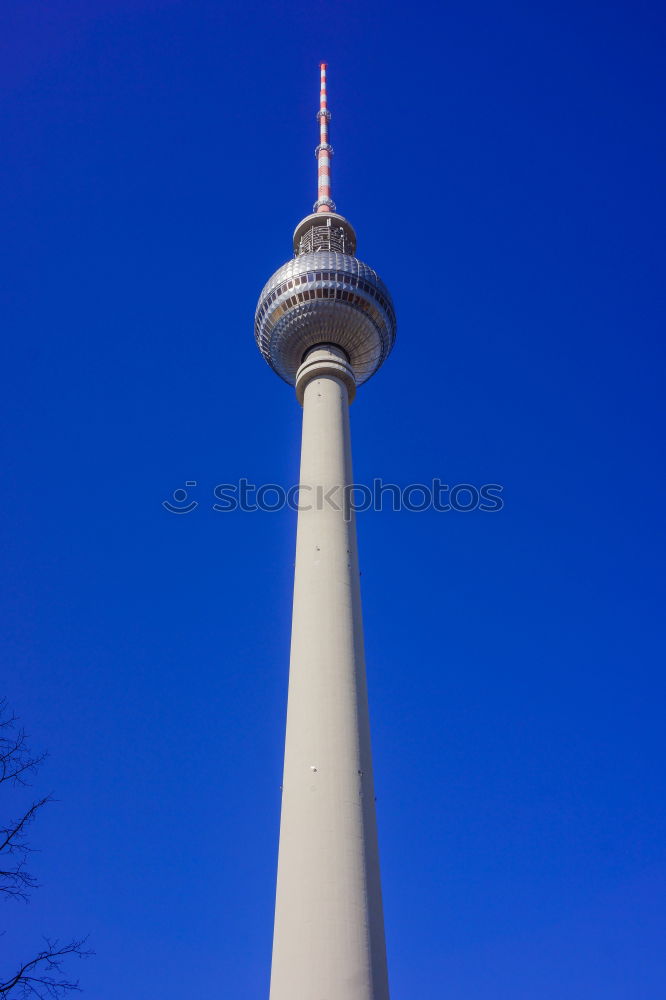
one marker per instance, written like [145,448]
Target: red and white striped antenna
[324,151]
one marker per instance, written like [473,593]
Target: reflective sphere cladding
[320,298]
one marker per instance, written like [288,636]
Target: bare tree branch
[41,975]
[12,836]
[16,758]
[16,882]
[15,879]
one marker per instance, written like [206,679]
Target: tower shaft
[329,930]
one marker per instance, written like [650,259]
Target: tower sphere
[325,295]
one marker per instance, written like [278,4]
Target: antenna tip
[323,65]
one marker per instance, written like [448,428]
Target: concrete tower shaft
[329,930]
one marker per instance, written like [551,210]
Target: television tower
[325,323]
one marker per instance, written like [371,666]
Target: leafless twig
[40,977]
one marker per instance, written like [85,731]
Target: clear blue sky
[503,165]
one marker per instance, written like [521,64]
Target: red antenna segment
[324,151]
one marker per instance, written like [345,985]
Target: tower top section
[324,151]
[325,295]
[324,229]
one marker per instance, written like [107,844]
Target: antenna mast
[323,152]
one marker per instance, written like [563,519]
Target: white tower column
[329,930]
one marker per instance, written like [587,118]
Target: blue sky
[503,166]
